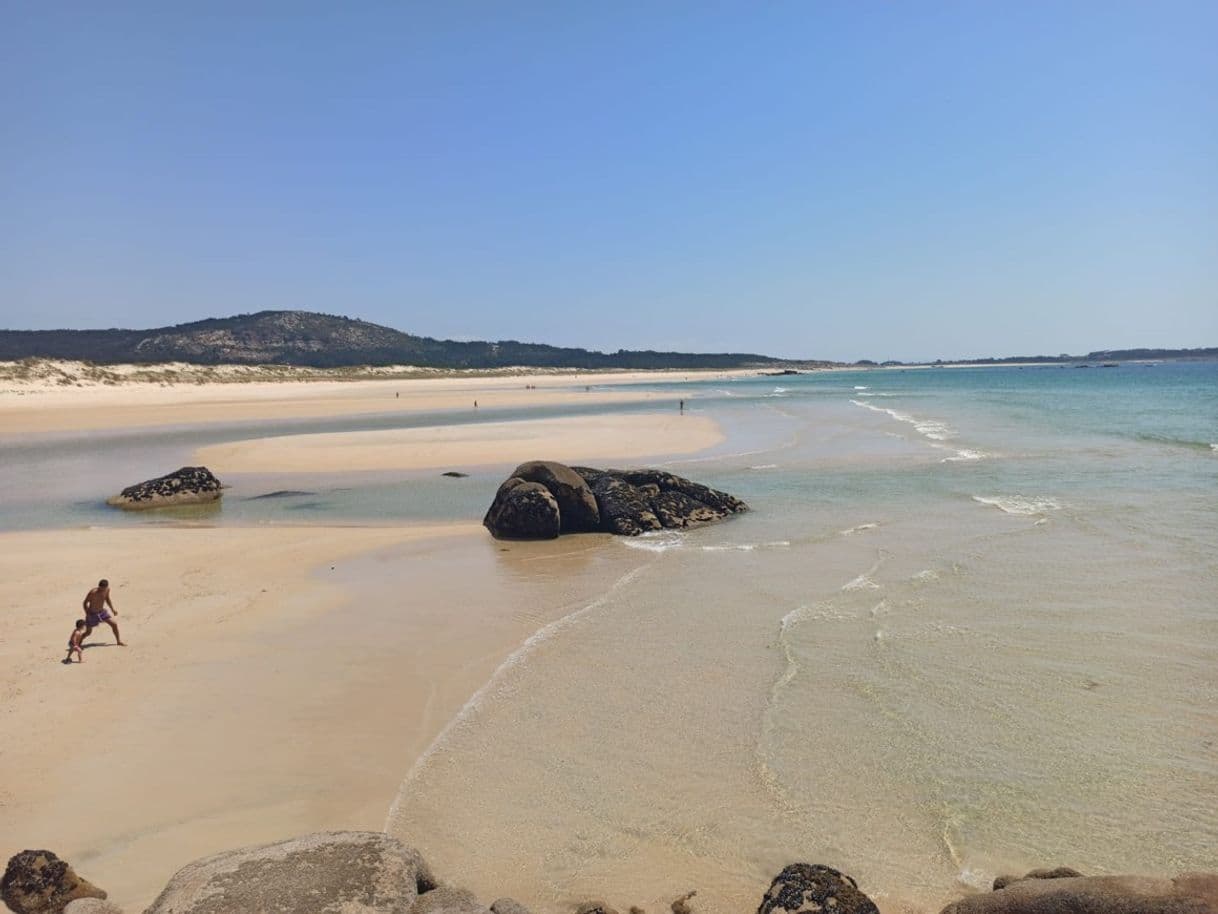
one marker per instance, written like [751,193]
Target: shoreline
[44,407]
[250,703]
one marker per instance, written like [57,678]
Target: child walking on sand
[74,643]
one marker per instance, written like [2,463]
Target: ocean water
[969,627]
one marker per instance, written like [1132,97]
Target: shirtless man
[95,603]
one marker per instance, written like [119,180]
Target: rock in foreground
[584,499]
[187,486]
[38,882]
[807,888]
[324,873]
[1041,892]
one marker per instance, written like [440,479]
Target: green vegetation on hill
[328,341]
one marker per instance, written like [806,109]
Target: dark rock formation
[523,510]
[676,509]
[625,502]
[594,907]
[187,486]
[38,882]
[814,889]
[508,906]
[719,502]
[625,509]
[351,872]
[576,504]
[454,474]
[1189,893]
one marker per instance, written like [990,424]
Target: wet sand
[277,680]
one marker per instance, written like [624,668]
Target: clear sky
[843,180]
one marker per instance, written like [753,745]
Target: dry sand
[40,406]
[277,681]
[570,440]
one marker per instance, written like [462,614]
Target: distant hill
[1099,355]
[328,341]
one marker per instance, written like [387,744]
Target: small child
[74,643]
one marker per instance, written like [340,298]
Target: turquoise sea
[970,626]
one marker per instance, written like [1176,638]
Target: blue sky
[816,179]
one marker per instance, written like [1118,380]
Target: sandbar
[568,439]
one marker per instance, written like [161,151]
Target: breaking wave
[1026,506]
[933,429]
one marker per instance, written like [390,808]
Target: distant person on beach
[682,406]
[95,603]
[78,635]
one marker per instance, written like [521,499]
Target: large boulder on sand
[625,502]
[576,503]
[187,486]
[38,882]
[523,510]
[804,888]
[625,509]
[1043,893]
[324,873]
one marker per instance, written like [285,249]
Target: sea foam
[964,454]
[747,547]
[659,541]
[1027,506]
[861,528]
[933,429]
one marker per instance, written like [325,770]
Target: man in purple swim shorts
[95,603]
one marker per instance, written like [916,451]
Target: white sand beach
[277,680]
[40,404]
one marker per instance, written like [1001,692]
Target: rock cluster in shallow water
[542,499]
[187,486]
[806,888]
[371,873]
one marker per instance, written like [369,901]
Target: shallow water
[968,627]
[63,479]
[971,635]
